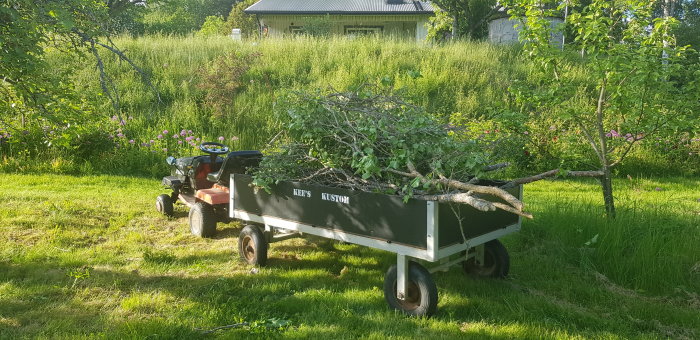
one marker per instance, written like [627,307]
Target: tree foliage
[469,17]
[212,26]
[247,23]
[31,95]
[38,102]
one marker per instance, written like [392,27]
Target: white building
[394,18]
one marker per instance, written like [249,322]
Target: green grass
[88,257]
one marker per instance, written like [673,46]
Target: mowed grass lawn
[86,257]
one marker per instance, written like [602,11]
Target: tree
[469,17]
[688,31]
[26,26]
[246,22]
[34,98]
[636,82]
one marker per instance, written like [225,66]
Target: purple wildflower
[183,133]
[176,136]
[179,142]
[152,141]
[120,135]
[165,132]
[131,141]
[160,136]
[115,117]
[221,138]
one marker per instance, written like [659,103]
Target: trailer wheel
[164,205]
[496,262]
[252,246]
[421,297]
[202,220]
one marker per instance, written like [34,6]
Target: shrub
[213,25]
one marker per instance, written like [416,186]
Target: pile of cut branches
[378,142]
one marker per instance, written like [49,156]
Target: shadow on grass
[308,293]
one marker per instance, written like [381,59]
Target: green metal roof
[340,7]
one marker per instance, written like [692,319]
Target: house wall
[503,31]
[400,26]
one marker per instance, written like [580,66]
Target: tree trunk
[606,183]
[455,24]
[668,7]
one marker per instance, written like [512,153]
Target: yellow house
[396,18]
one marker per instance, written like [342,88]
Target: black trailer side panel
[474,222]
[361,213]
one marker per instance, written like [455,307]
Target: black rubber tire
[496,262]
[164,205]
[202,220]
[422,293]
[252,246]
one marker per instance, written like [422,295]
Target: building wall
[401,26]
[503,31]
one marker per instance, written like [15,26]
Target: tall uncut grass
[466,77]
[462,82]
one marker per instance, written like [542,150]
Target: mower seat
[237,162]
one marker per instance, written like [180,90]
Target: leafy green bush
[213,25]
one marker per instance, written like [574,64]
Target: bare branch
[495,167]
[551,173]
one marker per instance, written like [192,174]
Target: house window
[296,30]
[363,30]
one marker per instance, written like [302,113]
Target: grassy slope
[177,65]
[149,277]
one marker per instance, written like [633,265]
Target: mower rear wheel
[252,246]
[202,220]
[496,262]
[164,205]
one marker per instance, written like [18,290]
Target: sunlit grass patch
[114,268]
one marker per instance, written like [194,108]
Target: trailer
[426,236]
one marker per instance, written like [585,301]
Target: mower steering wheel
[213,148]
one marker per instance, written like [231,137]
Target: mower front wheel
[202,220]
[164,205]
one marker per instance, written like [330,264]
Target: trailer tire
[164,205]
[422,295]
[252,246]
[496,262]
[202,220]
